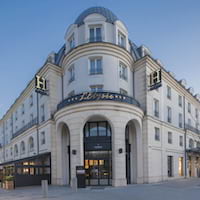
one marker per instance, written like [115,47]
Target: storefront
[193,156]
[27,172]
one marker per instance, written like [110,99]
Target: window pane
[93,129]
[102,128]
[99,67]
[92,66]
[98,34]
[91,34]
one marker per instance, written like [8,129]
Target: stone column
[118,159]
[76,145]
[140,172]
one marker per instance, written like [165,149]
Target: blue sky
[30,30]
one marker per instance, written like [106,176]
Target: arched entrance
[98,151]
[133,140]
[65,154]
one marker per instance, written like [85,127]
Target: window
[124,92]
[42,140]
[95,34]
[157,134]
[96,129]
[191,143]
[96,88]
[11,151]
[121,40]
[169,92]
[180,101]
[72,93]
[31,144]
[23,123]
[31,117]
[170,137]
[71,74]
[189,122]
[31,100]
[96,66]
[197,125]
[156,107]
[22,148]
[180,118]
[181,140]
[123,71]
[189,107]
[15,150]
[16,115]
[22,109]
[169,114]
[42,112]
[196,113]
[71,42]
[198,144]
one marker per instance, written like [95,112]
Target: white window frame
[123,71]
[95,59]
[96,88]
[95,27]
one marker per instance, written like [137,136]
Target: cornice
[97,48]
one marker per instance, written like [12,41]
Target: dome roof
[109,15]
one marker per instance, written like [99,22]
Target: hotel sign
[155,79]
[97,96]
[41,85]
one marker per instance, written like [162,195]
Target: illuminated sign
[97,96]
[155,79]
[40,85]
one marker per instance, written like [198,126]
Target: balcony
[97,96]
[24,128]
[191,128]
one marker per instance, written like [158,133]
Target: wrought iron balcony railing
[191,128]
[26,127]
[97,96]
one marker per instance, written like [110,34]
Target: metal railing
[26,127]
[191,128]
[97,96]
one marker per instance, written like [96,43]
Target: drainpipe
[185,137]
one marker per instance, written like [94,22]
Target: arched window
[22,147]
[191,143]
[15,150]
[31,144]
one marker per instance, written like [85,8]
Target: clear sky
[30,30]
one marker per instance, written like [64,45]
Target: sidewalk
[171,190]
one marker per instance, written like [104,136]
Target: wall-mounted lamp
[120,150]
[74,151]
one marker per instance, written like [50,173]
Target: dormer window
[71,42]
[121,40]
[95,34]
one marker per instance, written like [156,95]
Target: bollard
[45,188]
[74,184]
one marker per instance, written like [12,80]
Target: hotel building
[109,107]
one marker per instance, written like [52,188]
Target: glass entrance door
[98,168]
